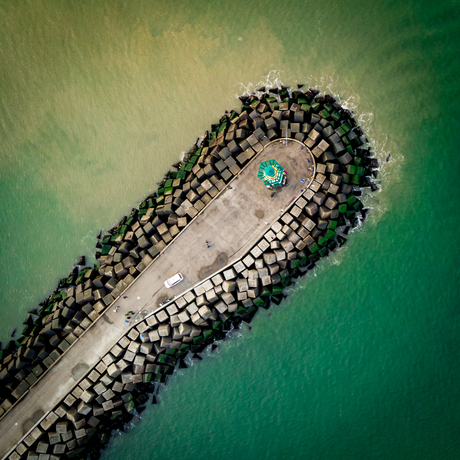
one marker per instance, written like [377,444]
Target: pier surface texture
[232,223]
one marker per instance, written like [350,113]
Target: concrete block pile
[314,225]
[151,350]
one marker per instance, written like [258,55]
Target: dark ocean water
[362,359]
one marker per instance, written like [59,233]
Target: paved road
[232,223]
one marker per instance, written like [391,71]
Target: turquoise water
[361,361]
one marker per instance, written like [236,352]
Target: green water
[361,361]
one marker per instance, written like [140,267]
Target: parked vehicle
[176,279]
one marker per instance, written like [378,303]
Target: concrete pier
[111,334]
[232,223]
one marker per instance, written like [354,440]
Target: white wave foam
[271,80]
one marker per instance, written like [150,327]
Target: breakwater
[315,223]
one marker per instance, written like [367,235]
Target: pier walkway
[232,223]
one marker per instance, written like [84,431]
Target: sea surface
[362,360]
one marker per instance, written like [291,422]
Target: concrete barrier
[313,225]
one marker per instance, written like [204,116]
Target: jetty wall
[316,223]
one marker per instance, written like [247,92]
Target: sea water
[360,361]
